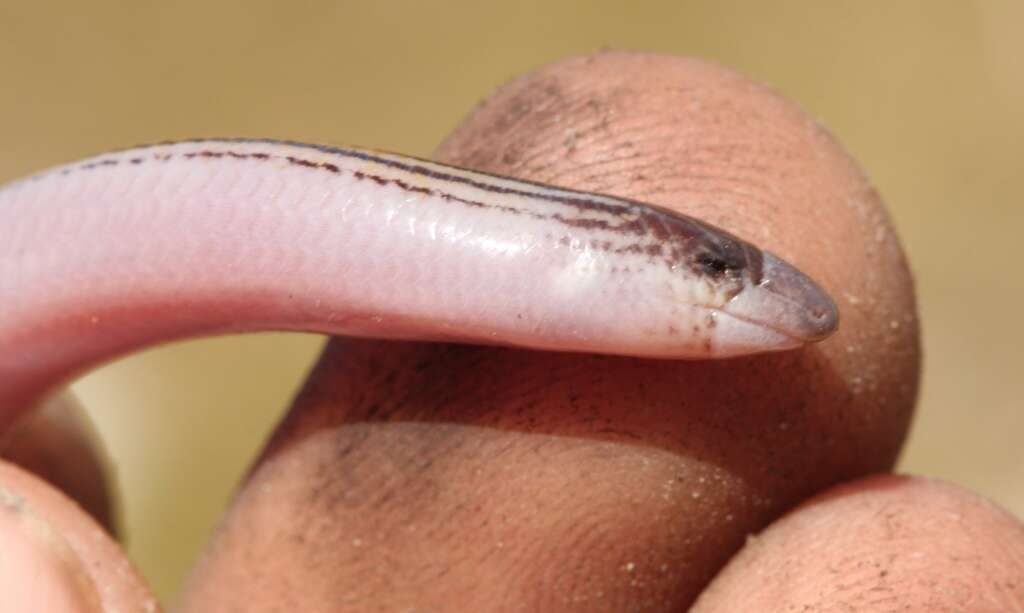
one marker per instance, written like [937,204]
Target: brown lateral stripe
[651,219]
[660,225]
[630,227]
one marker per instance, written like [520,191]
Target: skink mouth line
[756,322]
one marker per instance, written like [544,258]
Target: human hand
[441,477]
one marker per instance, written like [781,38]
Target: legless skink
[204,237]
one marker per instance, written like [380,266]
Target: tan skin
[468,478]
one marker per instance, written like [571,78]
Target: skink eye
[713,266]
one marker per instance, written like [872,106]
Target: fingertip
[38,569]
[54,555]
[704,140]
[880,544]
[58,443]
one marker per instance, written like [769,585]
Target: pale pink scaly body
[164,242]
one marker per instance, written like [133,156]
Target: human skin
[57,443]
[445,477]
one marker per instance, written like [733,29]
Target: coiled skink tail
[203,237]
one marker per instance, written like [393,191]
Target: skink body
[204,237]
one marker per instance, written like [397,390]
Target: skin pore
[444,476]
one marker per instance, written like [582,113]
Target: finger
[57,443]
[434,474]
[880,544]
[54,557]
[38,571]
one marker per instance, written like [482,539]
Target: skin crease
[444,477]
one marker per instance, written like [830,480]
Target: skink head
[779,307]
[755,301]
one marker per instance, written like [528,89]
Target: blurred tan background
[928,96]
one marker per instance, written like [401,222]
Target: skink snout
[780,308]
[801,308]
